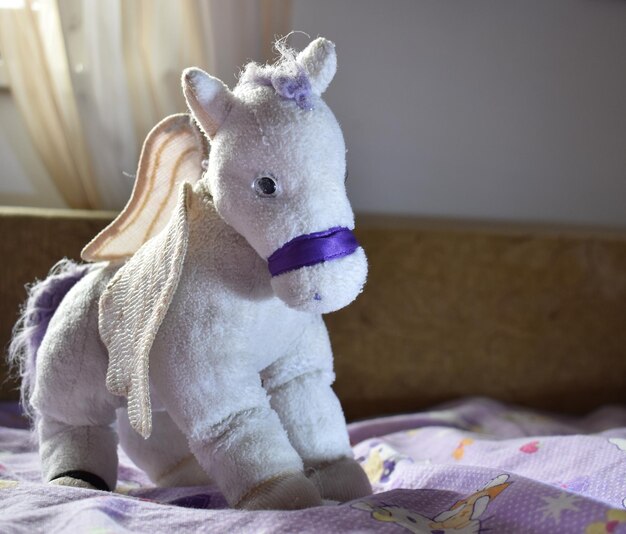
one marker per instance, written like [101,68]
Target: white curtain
[91,77]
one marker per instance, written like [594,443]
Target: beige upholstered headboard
[523,314]
[530,315]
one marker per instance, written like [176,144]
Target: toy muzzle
[319,272]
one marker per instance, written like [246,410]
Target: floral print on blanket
[470,467]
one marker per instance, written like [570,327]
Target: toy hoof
[292,491]
[343,480]
[80,479]
[72,482]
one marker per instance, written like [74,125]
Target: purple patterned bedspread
[468,467]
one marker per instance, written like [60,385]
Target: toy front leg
[301,394]
[233,432]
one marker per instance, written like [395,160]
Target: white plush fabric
[240,364]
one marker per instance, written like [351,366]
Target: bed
[483,371]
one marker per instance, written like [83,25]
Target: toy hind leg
[78,455]
[165,456]
[74,411]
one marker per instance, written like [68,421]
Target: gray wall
[507,109]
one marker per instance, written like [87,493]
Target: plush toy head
[277,173]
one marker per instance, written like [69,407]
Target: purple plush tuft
[287,77]
[43,300]
[297,87]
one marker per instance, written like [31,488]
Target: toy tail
[44,297]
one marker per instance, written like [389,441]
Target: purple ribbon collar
[310,249]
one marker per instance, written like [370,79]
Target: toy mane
[287,77]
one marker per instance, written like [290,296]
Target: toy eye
[265,186]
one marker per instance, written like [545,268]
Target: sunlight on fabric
[91,78]
[4,82]
[11,4]
[19,4]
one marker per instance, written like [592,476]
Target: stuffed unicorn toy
[195,335]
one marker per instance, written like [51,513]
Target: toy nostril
[317,296]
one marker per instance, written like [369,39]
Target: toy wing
[172,153]
[134,304]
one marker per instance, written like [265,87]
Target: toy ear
[133,306]
[320,61]
[208,98]
[172,153]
